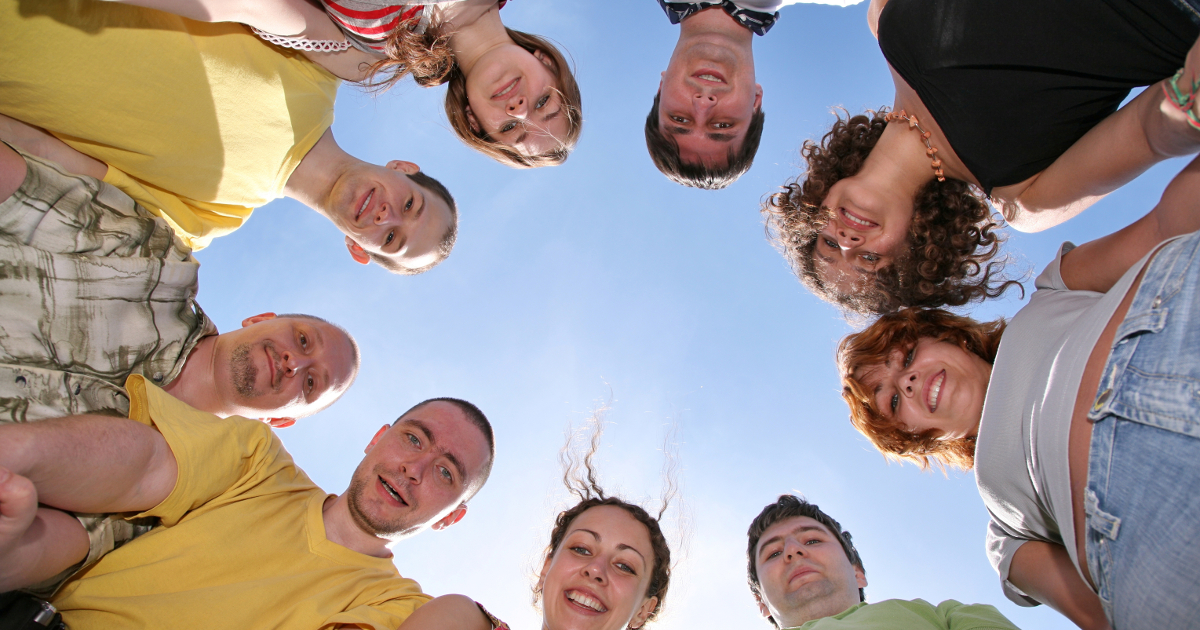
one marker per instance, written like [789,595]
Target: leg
[35,543]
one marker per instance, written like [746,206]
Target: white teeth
[392,491]
[936,391]
[852,219]
[584,600]
[709,77]
[365,202]
[507,89]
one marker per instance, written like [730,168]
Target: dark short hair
[789,506]
[474,416]
[664,151]
[444,246]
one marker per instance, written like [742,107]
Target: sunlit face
[381,211]
[417,472]
[804,573]
[706,99]
[868,231]
[513,97]
[283,366]
[597,579]
[933,385]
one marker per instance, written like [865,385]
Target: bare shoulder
[873,11]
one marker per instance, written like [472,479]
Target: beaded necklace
[930,150]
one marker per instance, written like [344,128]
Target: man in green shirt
[805,573]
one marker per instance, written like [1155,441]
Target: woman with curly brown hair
[512,95]
[1011,102]
[1078,417]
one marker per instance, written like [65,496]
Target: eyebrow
[433,442]
[774,539]
[720,137]
[525,133]
[620,546]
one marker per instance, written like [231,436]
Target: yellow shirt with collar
[242,542]
[200,123]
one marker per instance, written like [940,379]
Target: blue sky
[599,279]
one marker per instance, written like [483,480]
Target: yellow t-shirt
[242,542]
[200,123]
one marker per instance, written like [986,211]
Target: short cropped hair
[444,246]
[474,416]
[789,506]
[901,331]
[664,151]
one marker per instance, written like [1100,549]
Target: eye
[679,119]
[542,102]
[626,568]
[408,204]
[390,237]
[583,551]
[722,125]
[414,440]
[871,258]
[508,126]
[832,244]
[812,541]
[908,358]
[303,341]
[312,384]
[895,402]
[773,554]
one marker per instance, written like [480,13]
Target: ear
[860,577]
[254,319]
[281,423]
[357,252]
[757,97]
[643,613]
[471,121]
[378,434]
[762,608]
[541,583]
[408,168]
[451,518]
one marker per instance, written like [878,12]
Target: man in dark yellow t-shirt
[247,540]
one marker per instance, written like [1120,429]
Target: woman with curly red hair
[1078,415]
[1012,102]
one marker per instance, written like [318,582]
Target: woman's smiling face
[598,577]
[513,97]
[867,230]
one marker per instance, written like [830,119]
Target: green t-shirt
[918,614]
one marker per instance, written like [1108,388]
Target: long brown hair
[902,330]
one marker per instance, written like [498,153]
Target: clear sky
[601,278]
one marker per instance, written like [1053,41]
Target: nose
[594,570]
[414,471]
[792,547]
[293,362]
[909,382]
[516,107]
[703,100]
[848,238]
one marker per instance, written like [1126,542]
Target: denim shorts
[1143,492]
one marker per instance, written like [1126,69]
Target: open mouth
[508,88]
[363,206]
[935,390]
[392,492]
[853,220]
[585,601]
[711,76]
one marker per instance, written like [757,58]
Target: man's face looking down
[283,366]
[706,99]
[804,573]
[418,472]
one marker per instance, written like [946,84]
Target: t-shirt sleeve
[214,455]
[1051,277]
[973,617]
[405,598]
[1001,547]
[196,223]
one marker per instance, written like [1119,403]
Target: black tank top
[1014,83]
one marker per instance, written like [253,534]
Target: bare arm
[91,463]
[289,18]
[1044,572]
[448,612]
[1146,131]
[37,141]
[1097,265]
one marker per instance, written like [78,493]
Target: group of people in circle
[136,132]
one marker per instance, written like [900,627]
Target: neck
[715,22]
[898,162]
[196,384]
[473,35]
[312,181]
[341,528]
[817,609]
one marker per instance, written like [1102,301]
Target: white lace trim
[303,43]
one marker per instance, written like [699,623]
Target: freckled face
[933,385]
[597,579]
